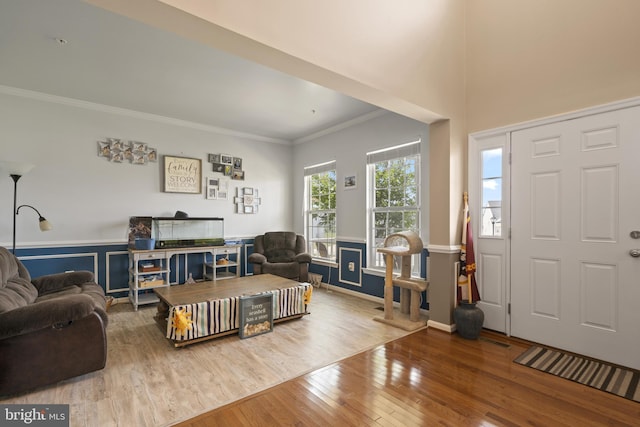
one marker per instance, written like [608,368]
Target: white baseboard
[441,326]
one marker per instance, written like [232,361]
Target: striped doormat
[597,374]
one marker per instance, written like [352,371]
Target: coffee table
[214,306]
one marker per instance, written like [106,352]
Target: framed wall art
[134,152]
[182,175]
[350,182]
[247,200]
[217,188]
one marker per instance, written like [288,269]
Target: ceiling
[71,49]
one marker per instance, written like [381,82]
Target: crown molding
[86,105]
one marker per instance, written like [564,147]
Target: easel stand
[408,317]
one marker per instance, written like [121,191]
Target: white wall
[349,147]
[89,200]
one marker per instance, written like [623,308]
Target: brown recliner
[282,253]
[51,328]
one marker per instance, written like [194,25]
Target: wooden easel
[410,288]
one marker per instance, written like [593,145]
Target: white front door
[575,217]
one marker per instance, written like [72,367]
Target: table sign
[256,314]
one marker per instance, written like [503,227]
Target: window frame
[315,245]
[399,152]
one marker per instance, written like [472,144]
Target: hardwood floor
[428,378]
[148,382]
[331,367]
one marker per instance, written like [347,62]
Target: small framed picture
[213,182]
[218,167]
[248,190]
[247,200]
[138,146]
[350,182]
[116,144]
[222,195]
[152,155]
[228,170]
[248,209]
[237,163]
[138,158]
[226,159]
[117,156]
[104,149]
[128,152]
[214,158]
[212,193]
[239,175]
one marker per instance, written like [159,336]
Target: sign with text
[54,415]
[256,315]
[182,175]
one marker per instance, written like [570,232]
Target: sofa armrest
[256,258]
[54,282]
[303,258]
[55,312]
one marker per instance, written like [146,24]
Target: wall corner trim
[442,249]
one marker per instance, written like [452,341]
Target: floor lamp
[16,170]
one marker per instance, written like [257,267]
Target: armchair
[51,328]
[282,253]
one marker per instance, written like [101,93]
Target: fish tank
[172,232]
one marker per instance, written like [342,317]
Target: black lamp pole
[15,206]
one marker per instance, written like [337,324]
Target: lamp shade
[15,168]
[45,225]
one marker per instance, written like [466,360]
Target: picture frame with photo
[138,146]
[214,158]
[238,175]
[138,158]
[104,149]
[218,167]
[247,200]
[217,188]
[226,159]
[350,182]
[152,155]
[237,163]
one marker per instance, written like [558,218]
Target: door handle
[634,253]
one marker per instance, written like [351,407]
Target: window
[320,210]
[491,222]
[393,202]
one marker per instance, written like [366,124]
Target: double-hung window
[320,210]
[393,199]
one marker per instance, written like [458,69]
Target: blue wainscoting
[358,280]
[110,263]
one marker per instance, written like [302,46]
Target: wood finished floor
[425,379]
[148,382]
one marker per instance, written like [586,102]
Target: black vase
[468,318]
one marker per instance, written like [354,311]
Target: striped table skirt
[191,321]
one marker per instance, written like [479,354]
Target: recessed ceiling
[72,49]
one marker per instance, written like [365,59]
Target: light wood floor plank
[148,382]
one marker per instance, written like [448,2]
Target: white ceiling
[109,59]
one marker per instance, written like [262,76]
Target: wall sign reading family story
[182,175]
